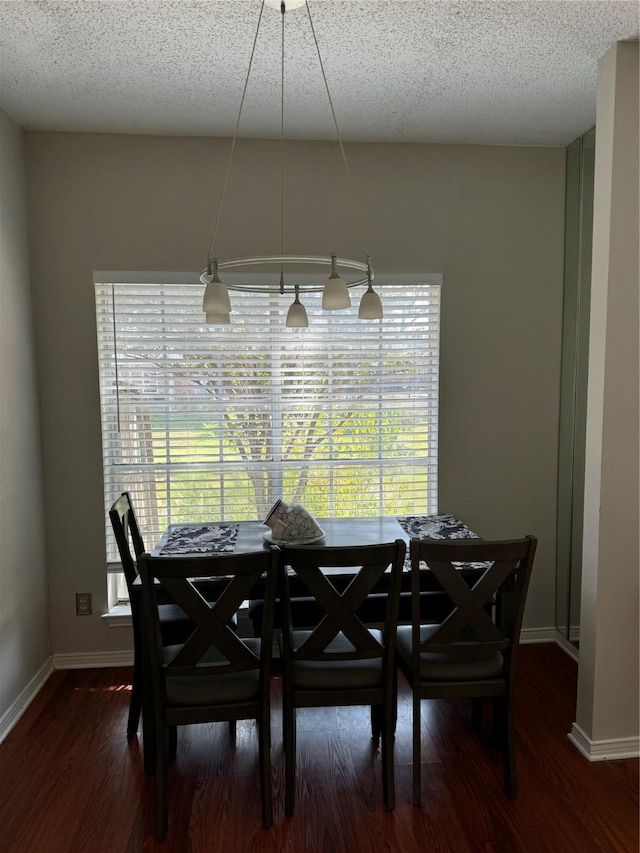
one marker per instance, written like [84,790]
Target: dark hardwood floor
[71,782]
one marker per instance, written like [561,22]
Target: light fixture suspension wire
[234,140]
[283,9]
[338,134]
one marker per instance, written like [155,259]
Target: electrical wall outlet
[83,604]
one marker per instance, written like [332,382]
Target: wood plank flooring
[71,782]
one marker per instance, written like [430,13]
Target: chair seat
[214,689]
[454,666]
[339,674]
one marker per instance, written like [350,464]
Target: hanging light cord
[282,11]
[339,135]
[233,142]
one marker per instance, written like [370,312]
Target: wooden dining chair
[175,627]
[472,652]
[340,661]
[215,675]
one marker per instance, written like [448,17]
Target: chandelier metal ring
[280,260]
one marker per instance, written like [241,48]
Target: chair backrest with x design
[214,674]
[213,648]
[486,616]
[340,608]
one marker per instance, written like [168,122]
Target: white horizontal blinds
[216,422]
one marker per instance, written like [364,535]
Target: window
[216,422]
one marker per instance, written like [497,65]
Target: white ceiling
[483,71]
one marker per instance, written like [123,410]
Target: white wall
[491,219]
[24,615]
[608,683]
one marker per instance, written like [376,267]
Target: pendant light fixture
[335,293]
[370,305]
[297,314]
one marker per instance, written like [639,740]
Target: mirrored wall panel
[575,352]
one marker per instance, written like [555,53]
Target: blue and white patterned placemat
[200,539]
[435,527]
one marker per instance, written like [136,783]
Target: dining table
[249,536]
[208,538]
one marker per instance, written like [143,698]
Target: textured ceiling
[515,72]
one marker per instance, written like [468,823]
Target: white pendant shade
[214,319]
[370,306]
[335,294]
[216,297]
[297,316]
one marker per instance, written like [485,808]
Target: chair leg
[232,730]
[264,752]
[135,704]
[376,721]
[417,793]
[394,700]
[509,749]
[289,726]
[149,733]
[148,749]
[161,784]
[388,779]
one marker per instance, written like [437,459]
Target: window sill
[119,616]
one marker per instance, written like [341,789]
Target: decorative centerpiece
[291,524]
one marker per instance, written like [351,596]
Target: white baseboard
[549,635]
[25,698]
[565,645]
[538,635]
[603,750]
[91,660]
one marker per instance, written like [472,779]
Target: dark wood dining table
[337,532]
[249,536]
